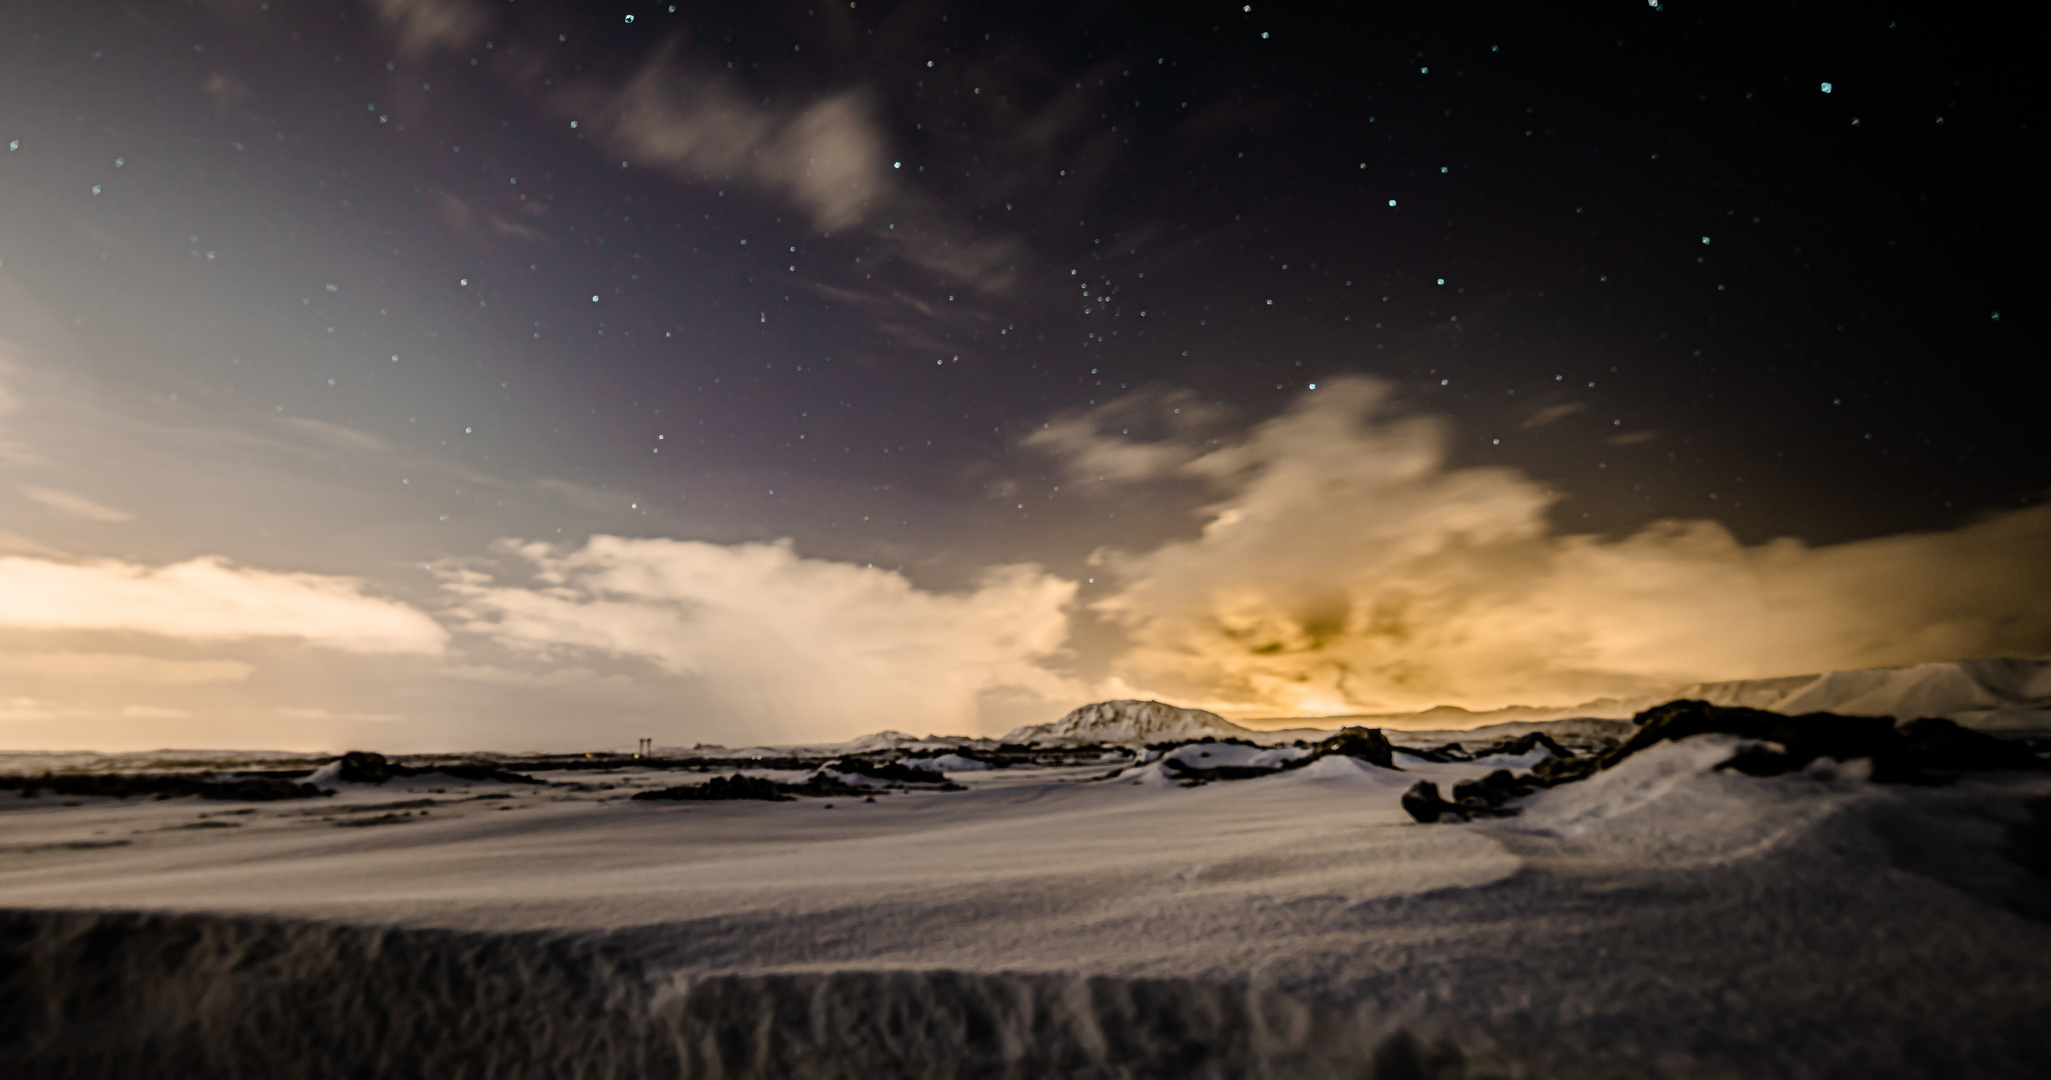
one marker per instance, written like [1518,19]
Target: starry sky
[472,374]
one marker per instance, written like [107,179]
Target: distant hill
[1131,721]
[1993,693]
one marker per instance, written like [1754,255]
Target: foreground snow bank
[224,997]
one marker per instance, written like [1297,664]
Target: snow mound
[1346,769]
[1130,721]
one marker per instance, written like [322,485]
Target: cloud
[209,600]
[152,712]
[226,91]
[1346,567]
[1550,413]
[483,226]
[800,647]
[297,713]
[828,156]
[75,505]
[1099,444]
[120,668]
[423,26]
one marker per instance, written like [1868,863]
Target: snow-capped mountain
[1992,692]
[1130,721]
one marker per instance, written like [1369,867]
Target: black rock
[1479,790]
[721,788]
[1554,770]
[1366,743]
[1936,743]
[162,786]
[258,790]
[1448,752]
[891,771]
[367,767]
[1423,803]
[1759,760]
[1523,744]
[478,771]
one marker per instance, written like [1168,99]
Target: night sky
[456,373]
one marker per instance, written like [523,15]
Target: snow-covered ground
[1659,919]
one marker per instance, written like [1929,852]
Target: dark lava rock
[1936,743]
[1492,790]
[1366,743]
[1911,753]
[1554,770]
[1448,752]
[1423,803]
[1519,745]
[1471,798]
[889,771]
[258,790]
[1197,774]
[480,771]
[1759,760]
[366,767]
[162,786]
[721,788]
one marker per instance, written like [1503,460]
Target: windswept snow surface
[1660,919]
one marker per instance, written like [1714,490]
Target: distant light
[1705,239]
[1313,386]
[630,18]
[573,123]
[897,164]
[1826,88]
[594,298]
[1392,202]
[1442,281]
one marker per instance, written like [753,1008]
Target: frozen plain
[1662,918]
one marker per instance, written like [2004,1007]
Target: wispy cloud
[828,156]
[207,599]
[801,647]
[423,26]
[75,505]
[1141,436]
[99,669]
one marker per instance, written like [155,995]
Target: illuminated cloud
[75,505]
[98,669]
[801,648]
[207,599]
[1346,568]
